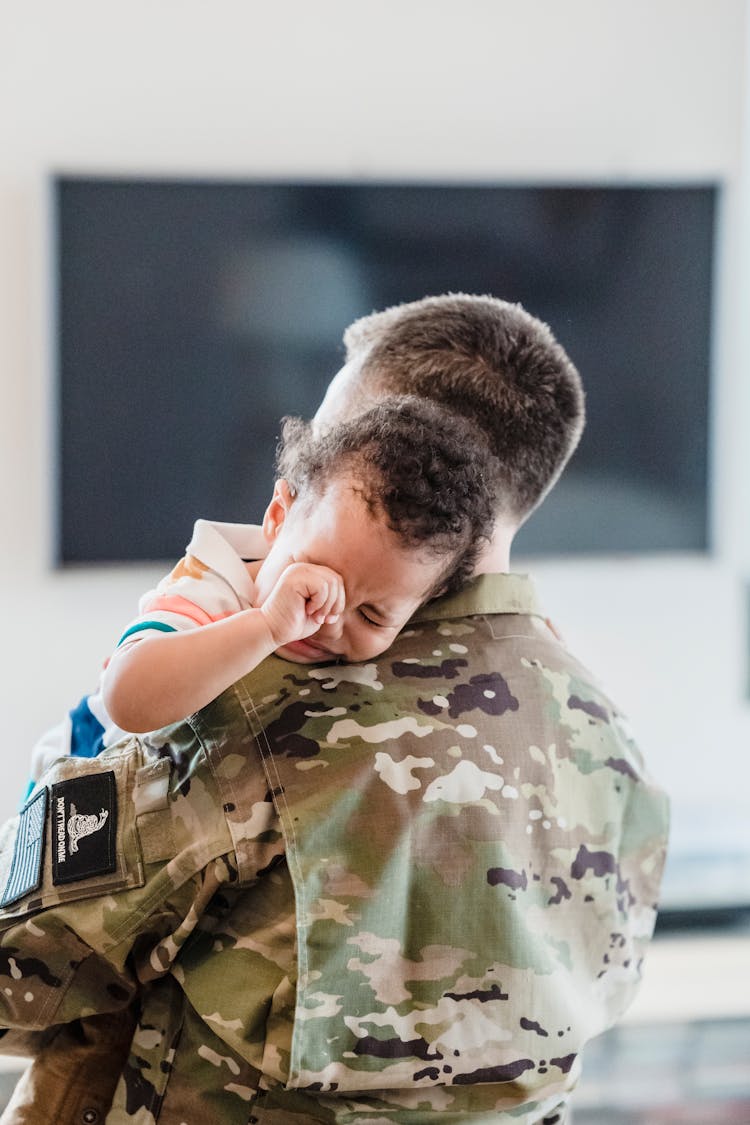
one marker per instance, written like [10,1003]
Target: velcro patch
[28,851]
[84,827]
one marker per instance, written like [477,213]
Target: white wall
[586,89]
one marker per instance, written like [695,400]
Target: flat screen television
[191,316]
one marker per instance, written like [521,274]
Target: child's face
[385,582]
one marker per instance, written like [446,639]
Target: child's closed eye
[370,620]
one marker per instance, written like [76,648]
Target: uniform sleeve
[60,856]
[103,875]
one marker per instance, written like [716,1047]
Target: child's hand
[305,597]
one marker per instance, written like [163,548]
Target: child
[369,520]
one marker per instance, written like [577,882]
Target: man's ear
[278,510]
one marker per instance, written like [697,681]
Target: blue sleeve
[87,733]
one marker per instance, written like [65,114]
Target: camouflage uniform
[398,892]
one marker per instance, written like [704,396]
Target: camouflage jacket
[397,892]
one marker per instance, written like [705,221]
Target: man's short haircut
[412,463]
[490,362]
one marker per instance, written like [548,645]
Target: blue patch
[86,732]
[28,852]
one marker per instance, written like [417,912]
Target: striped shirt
[211,581]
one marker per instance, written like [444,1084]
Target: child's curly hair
[426,470]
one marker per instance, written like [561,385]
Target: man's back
[438,875]
[475,854]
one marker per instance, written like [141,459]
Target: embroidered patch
[28,852]
[84,827]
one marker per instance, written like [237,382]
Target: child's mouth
[309,650]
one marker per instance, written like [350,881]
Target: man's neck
[495,558]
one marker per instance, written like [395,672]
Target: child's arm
[163,677]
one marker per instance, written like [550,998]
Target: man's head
[482,359]
[395,500]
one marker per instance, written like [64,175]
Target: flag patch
[28,852]
[84,827]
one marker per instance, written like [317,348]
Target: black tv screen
[191,316]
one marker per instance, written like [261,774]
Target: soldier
[401,891]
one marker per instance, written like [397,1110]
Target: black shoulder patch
[84,827]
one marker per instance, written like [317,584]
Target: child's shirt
[209,583]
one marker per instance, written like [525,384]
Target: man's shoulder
[475,670]
[493,630]
[499,617]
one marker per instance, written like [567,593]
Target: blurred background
[194,202]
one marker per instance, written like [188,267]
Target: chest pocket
[76,837]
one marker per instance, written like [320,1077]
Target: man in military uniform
[398,892]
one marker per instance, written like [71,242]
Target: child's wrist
[268,637]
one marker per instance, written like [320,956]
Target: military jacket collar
[490,593]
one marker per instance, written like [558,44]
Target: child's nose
[331,630]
